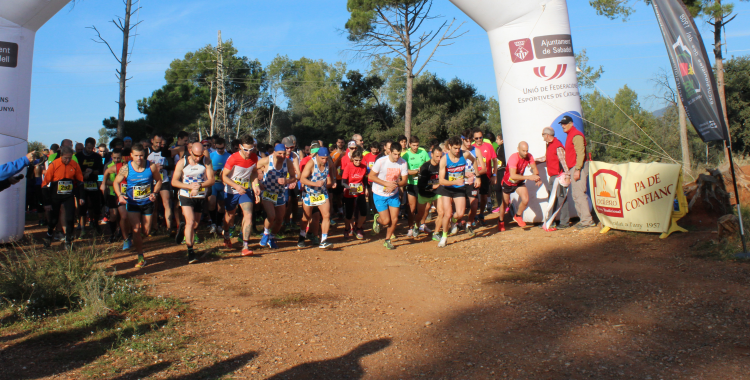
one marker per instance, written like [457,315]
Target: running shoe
[425,229]
[301,242]
[272,243]
[479,219]
[192,259]
[315,240]
[580,226]
[59,236]
[180,236]
[228,243]
[549,229]
[470,230]
[454,229]
[212,229]
[388,244]
[325,244]
[264,240]
[219,230]
[360,234]
[410,233]
[443,242]
[82,235]
[495,211]
[346,233]
[333,222]
[246,252]
[141,262]
[127,245]
[501,226]
[436,236]
[416,230]
[519,220]
[47,241]
[375,224]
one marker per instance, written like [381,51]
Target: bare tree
[662,83]
[394,27]
[122,23]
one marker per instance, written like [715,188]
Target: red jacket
[553,161]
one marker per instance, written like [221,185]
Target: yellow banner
[634,197]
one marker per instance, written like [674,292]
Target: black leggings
[360,202]
[54,215]
[93,204]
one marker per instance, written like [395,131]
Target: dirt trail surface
[522,304]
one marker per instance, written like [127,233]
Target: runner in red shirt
[240,180]
[490,178]
[354,194]
[368,161]
[515,181]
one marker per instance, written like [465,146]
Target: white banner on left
[19,21]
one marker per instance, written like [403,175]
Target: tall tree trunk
[270,125]
[409,104]
[686,164]
[718,56]
[123,69]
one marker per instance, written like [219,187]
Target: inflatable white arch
[19,21]
[535,69]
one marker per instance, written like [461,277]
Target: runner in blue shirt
[219,158]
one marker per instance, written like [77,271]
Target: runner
[369,160]
[475,168]
[337,192]
[117,212]
[91,165]
[316,183]
[192,175]
[238,175]
[309,227]
[488,174]
[274,192]
[452,185]
[387,175]
[514,181]
[61,182]
[290,217]
[354,194]
[219,158]
[415,157]
[140,196]
[429,181]
[161,155]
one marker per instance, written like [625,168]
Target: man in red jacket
[575,157]
[555,159]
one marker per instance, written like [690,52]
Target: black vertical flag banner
[692,69]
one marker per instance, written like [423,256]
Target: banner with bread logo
[635,197]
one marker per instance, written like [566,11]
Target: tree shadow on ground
[220,369]
[610,309]
[346,366]
[57,352]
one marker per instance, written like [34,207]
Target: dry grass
[293,300]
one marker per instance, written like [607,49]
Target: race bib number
[65,187]
[90,186]
[242,182]
[355,188]
[123,188]
[164,176]
[369,165]
[266,196]
[217,176]
[317,199]
[455,177]
[141,192]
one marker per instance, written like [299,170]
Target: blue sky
[74,86]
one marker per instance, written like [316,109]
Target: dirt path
[520,304]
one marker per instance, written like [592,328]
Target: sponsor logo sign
[541,72]
[521,50]
[8,54]
[634,197]
[554,45]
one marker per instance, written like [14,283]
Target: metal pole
[744,253]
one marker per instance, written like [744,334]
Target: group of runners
[150,185]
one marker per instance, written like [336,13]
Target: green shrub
[40,281]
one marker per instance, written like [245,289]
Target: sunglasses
[246,150]
[477,138]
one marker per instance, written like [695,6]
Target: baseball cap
[127,139]
[352,144]
[565,120]
[204,142]
[287,141]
